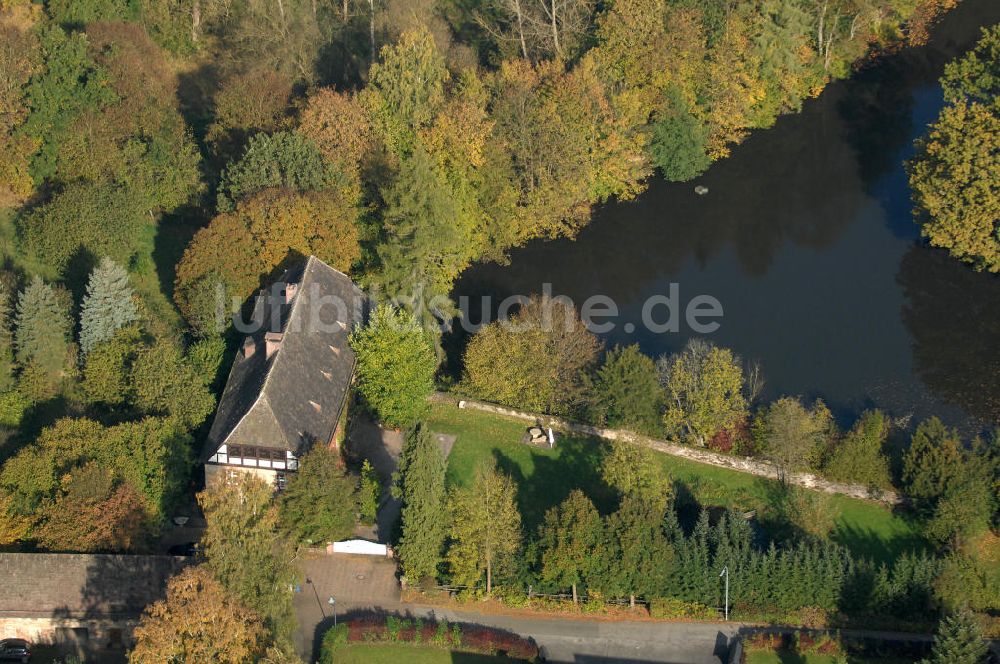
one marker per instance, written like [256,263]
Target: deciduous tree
[537,360]
[93,512]
[409,88]
[794,437]
[239,250]
[704,390]
[485,527]
[396,365]
[244,552]
[198,621]
[107,375]
[632,468]
[166,383]
[320,501]
[341,127]
[956,199]
[246,104]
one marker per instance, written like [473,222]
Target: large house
[289,383]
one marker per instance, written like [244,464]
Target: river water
[806,239]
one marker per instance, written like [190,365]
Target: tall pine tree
[42,328]
[420,487]
[108,306]
[570,534]
[958,641]
[6,336]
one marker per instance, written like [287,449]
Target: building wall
[72,634]
[216,474]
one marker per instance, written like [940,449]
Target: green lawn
[545,477]
[785,657]
[393,653]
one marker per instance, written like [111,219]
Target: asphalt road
[593,641]
[362,584]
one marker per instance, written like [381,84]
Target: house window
[280,480]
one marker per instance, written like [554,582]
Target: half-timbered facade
[291,377]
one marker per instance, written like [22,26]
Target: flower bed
[454,637]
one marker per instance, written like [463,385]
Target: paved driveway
[355,582]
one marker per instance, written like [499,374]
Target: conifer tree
[108,305]
[568,537]
[42,328]
[628,393]
[639,555]
[959,641]
[6,337]
[420,487]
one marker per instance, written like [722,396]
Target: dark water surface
[806,239]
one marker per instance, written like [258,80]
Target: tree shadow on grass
[866,543]
[576,466]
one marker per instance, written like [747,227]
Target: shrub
[393,626]
[369,493]
[334,638]
[670,607]
[285,160]
[13,405]
[822,644]
[392,629]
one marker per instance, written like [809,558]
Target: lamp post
[725,572]
[310,583]
[333,607]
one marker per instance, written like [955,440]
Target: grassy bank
[545,477]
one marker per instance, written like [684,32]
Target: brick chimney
[249,346]
[272,342]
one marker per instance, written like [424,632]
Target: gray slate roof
[293,398]
[82,585]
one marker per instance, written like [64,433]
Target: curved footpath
[698,454]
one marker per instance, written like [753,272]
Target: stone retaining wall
[698,454]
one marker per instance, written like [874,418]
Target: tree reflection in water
[953,316]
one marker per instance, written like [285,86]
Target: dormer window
[290,291]
[272,342]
